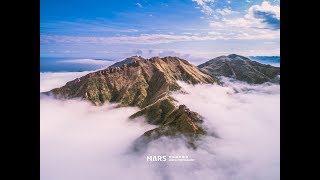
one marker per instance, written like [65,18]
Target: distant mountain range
[147,83]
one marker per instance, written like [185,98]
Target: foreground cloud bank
[80,141]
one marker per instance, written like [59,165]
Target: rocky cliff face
[139,83]
[145,83]
[241,68]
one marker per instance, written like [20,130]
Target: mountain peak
[127,61]
[241,68]
[236,56]
[145,83]
[137,58]
[132,73]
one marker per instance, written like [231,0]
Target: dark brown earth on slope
[241,68]
[145,83]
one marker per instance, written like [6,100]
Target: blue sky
[193,29]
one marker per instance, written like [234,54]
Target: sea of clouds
[84,142]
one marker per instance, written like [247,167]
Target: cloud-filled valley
[115,98]
[81,141]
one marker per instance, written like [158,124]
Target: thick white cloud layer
[82,142]
[248,124]
[50,80]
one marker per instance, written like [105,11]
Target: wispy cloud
[266,13]
[258,22]
[264,16]
[206,26]
[225,11]
[141,39]
[158,38]
[205,6]
[85,27]
[139,5]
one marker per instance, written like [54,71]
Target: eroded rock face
[241,68]
[180,123]
[139,83]
[145,83]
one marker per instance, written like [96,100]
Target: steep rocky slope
[241,68]
[145,83]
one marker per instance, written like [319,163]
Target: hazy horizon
[69,64]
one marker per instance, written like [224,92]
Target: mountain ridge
[127,61]
[241,68]
[145,83]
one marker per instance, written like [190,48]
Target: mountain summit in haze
[127,61]
[241,68]
[145,83]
